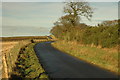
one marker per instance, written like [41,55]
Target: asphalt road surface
[60,65]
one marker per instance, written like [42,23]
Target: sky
[37,18]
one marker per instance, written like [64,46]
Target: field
[102,57]
[10,50]
[6,47]
[19,59]
[22,38]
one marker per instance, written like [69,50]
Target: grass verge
[104,58]
[28,66]
[10,51]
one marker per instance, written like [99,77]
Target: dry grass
[105,58]
[9,52]
[10,49]
[6,46]
[4,49]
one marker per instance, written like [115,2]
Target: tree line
[69,27]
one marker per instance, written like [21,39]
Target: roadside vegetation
[104,36]
[10,51]
[95,44]
[27,65]
[105,58]
[19,59]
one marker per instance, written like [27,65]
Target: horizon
[36,19]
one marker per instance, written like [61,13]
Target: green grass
[27,65]
[104,58]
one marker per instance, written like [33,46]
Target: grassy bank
[105,58]
[10,51]
[11,47]
[27,65]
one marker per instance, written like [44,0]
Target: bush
[106,36]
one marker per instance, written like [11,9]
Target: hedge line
[104,36]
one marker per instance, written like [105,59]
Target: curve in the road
[60,65]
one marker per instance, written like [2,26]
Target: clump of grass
[28,66]
[103,58]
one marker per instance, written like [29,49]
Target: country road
[60,65]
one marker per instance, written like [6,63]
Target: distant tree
[77,9]
[109,23]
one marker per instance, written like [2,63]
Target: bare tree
[76,10]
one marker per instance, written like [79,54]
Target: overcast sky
[37,18]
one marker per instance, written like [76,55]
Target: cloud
[33,0]
[102,11]
[28,8]
[46,13]
[33,15]
[105,10]
[21,31]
